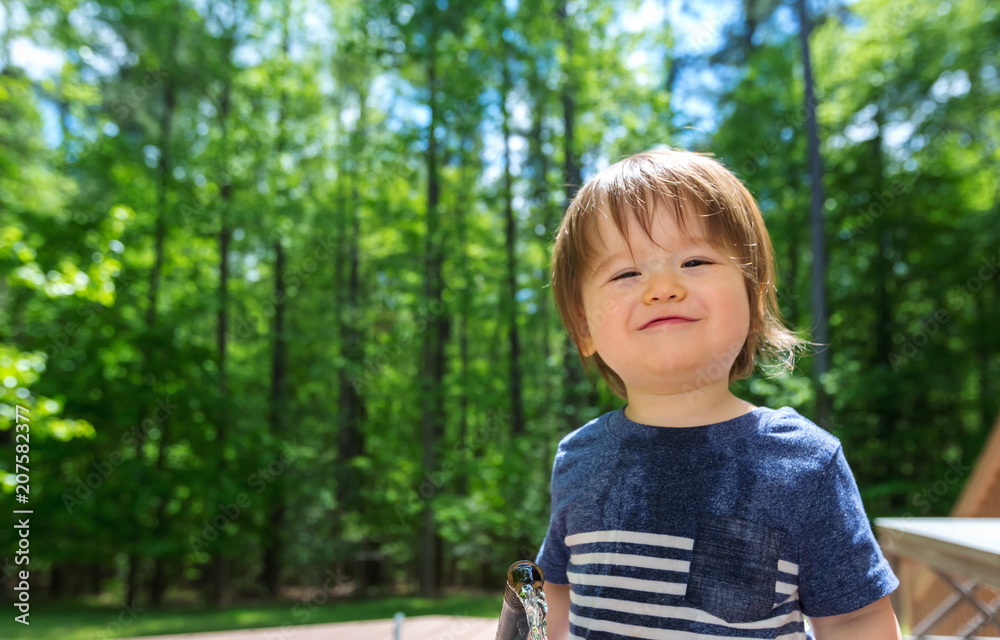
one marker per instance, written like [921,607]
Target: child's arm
[557,618]
[874,622]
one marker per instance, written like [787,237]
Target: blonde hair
[676,181]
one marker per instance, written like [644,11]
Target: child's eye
[622,275]
[698,261]
[695,261]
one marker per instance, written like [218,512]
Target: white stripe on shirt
[613,559]
[788,567]
[621,582]
[636,631]
[678,613]
[656,539]
[630,560]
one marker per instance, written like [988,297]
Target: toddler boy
[690,513]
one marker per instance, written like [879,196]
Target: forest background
[275,277]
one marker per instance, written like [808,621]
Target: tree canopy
[275,277]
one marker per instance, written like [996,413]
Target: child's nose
[663,284]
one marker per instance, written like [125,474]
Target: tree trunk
[516,401]
[821,412]
[573,396]
[788,286]
[467,448]
[433,354]
[749,28]
[132,579]
[56,579]
[220,564]
[279,402]
[890,415]
[987,394]
[352,413]
[546,216]
[160,230]
[271,570]
[550,222]
[95,578]
[160,577]
[157,585]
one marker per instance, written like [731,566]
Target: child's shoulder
[791,434]
[783,430]
[585,434]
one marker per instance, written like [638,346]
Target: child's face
[690,279]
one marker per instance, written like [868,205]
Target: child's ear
[587,343]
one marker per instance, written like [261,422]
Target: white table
[965,552]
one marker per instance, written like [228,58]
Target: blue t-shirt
[733,529]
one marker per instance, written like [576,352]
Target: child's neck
[706,405]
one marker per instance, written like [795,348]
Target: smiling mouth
[665,321]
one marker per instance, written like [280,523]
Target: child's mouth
[664,321]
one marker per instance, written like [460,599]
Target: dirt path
[416,628]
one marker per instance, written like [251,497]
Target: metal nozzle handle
[513,619]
